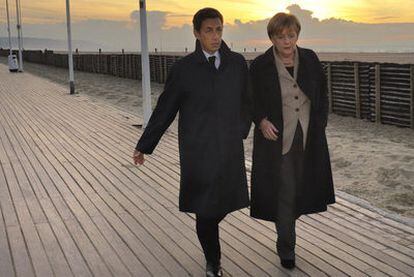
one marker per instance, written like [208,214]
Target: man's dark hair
[204,14]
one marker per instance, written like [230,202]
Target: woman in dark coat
[291,173]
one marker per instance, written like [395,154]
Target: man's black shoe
[289,264]
[213,271]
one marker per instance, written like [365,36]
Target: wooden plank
[6,263]
[30,198]
[91,258]
[101,242]
[412,95]
[371,263]
[55,254]
[370,224]
[375,226]
[117,239]
[21,259]
[378,217]
[161,272]
[380,257]
[377,94]
[78,266]
[305,260]
[6,203]
[32,241]
[329,78]
[90,254]
[402,253]
[357,91]
[72,252]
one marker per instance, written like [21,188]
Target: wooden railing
[382,93]
[379,92]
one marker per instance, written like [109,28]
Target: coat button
[297,109]
[295,85]
[296,97]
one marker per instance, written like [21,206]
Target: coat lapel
[282,71]
[224,55]
[274,97]
[303,78]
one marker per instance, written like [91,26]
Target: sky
[341,25]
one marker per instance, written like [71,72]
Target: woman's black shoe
[288,263]
[213,271]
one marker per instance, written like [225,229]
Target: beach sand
[370,161]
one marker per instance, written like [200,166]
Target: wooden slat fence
[379,92]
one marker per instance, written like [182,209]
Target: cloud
[385,17]
[331,34]
[156,19]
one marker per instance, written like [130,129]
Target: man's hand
[269,131]
[138,158]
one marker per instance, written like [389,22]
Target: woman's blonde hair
[281,21]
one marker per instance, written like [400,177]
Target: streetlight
[70,54]
[12,59]
[19,34]
[146,81]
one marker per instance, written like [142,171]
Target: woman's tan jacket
[295,104]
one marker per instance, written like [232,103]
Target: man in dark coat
[209,90]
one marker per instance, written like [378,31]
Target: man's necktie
[212,61]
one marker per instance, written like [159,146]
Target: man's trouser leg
[208,235]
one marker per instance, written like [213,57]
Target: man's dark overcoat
[213,120]
[316,191]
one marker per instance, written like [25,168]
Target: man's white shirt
[216,54]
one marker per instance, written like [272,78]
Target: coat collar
[281,67]
[302,71]
[224,54]
[268,56]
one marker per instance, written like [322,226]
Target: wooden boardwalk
[73,204]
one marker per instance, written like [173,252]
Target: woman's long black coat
[213,120]
[316,192]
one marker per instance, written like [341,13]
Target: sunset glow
[180,12]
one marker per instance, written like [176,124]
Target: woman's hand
[269,131]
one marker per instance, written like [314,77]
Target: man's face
[210,34]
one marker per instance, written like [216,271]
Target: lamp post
[146,81]
[70,54]
[8,27]
[19,35]
[12,59]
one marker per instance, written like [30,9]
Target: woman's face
[285,42]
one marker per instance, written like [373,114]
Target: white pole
[8,27]
[19,35]
[70,54]
[146,81]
